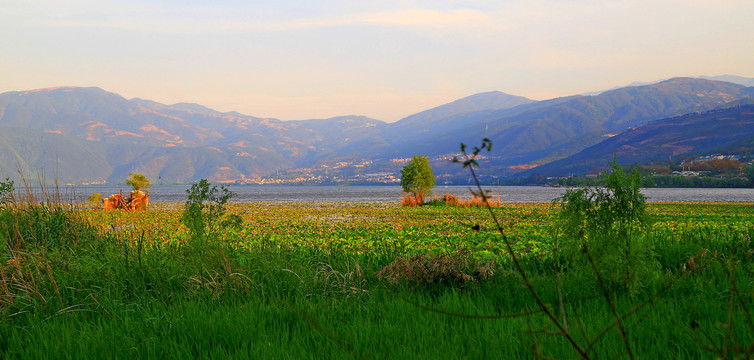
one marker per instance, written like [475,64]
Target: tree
[138,181]
[417,177]
[749,171]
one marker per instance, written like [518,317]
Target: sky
[383,59]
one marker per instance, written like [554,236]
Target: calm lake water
[161,194]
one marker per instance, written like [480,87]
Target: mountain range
[715,131]
[86,135]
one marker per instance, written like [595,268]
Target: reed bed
[354,280]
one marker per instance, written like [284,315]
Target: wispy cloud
[405,17]
[424,17]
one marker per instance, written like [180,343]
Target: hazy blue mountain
[95,134]
[449,117]
[28,154]
[97,115]
[180,142]
[740,80]
[692,134]
[546,132]
[635,83]
[493,100]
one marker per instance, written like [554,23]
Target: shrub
[604,225]
[204,208]
[95,199]
[6,192]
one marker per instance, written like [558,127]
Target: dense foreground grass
[301,280]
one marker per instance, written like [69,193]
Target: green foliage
[470,160]
[94,199]
[203,209]
[298,280]
[417,177]
[676,181]
[6,192]
[606,224]
[138,181]
[749,171]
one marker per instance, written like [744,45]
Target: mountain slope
[30,153]
[542,134]
[183,142]
[689,134]
[96,115]
[450,117]
[732,79]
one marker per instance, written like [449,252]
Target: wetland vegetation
[363,280]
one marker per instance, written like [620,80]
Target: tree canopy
[417,177]
[749,171]
[138,181]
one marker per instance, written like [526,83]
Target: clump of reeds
[34,223]
[452,200]
[475,201]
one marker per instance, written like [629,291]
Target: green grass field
[302,280]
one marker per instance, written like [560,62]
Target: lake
[161,194]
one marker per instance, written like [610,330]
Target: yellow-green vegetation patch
[386,227]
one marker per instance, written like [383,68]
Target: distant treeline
[697,182]
[660,181]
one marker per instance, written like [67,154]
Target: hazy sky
[383,59]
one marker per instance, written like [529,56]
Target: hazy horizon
[386,60]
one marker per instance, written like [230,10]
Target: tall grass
[75,289]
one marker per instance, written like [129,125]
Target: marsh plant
[606,225]
[204,213]
[601,224]
[6,192]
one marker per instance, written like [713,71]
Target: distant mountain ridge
[740,80]
[689,134]
[541,132]
[89,134]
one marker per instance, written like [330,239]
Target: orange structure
[137,200]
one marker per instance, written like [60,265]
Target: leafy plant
[749,171]
[607,222]
[204,208]
[417,177]
[138,181]
[6,192]
[94,199]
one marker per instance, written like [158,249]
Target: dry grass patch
[459,268]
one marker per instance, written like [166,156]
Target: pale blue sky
[383,59]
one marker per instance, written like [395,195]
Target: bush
[6,192]
[203,209]
[95,199]
[604,225]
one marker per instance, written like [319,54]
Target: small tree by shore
[417,178]
[138,182]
